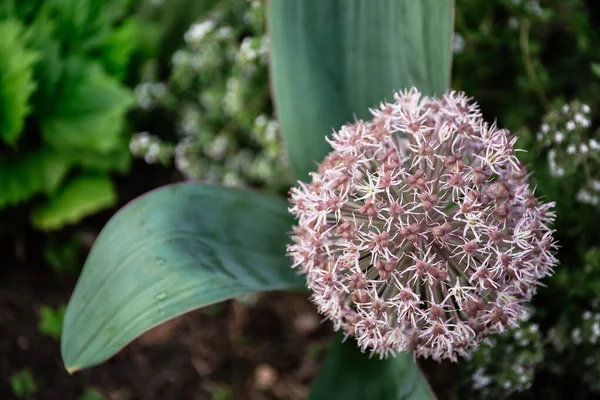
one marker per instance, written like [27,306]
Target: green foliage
[16,80]
[173,250]
[88,113]
[63,256]
[23,384]
[23,176]
[81,196]
[408,46]
[349,374]
[222,394]
[51,321]
[62,104]
[91,394]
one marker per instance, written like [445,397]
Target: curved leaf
[30,173]
[348,374]
[88,113]
[16,80]
[330,59]
[171,251]
[84,195]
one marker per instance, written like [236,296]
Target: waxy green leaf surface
[171,251]
[349,374]
[332,60]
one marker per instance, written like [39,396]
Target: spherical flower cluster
[419,231]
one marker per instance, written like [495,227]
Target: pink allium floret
[419,232]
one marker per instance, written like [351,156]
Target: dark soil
[267,350]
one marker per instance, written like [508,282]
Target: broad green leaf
[117,159]
[54,168]
[23,176]
[171,251]
[334,59]
[16,80]
[89,111]
[349,374]
[81,197]
[119,46]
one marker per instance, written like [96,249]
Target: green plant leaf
[89,111]
[51,321]
[331,60]
[81,197]
[117,159]
[349,374]
[16,80]
[171,251]
[119,46]
[54,168]
[595,67]
[24,176]
[23,384]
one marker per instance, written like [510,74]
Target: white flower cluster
[500,374]
[458,43]
[150,147]
[572,147]
[218,100]
[587,332]
[252,50]
[149,94]
[198,31]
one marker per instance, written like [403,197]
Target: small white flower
[224,33]
[565,108]
[144,139]
[558,137]
[458,43]
[585,108]
[583,148]
[576,336]
[198,31]
[570,125]
[571,149]
[545,128]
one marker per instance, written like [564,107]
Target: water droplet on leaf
[161,296]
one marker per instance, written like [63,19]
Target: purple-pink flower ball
[419,232]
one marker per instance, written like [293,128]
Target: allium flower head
[419,231]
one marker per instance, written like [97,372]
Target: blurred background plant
[216,115]
[63,106]
[533,64]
